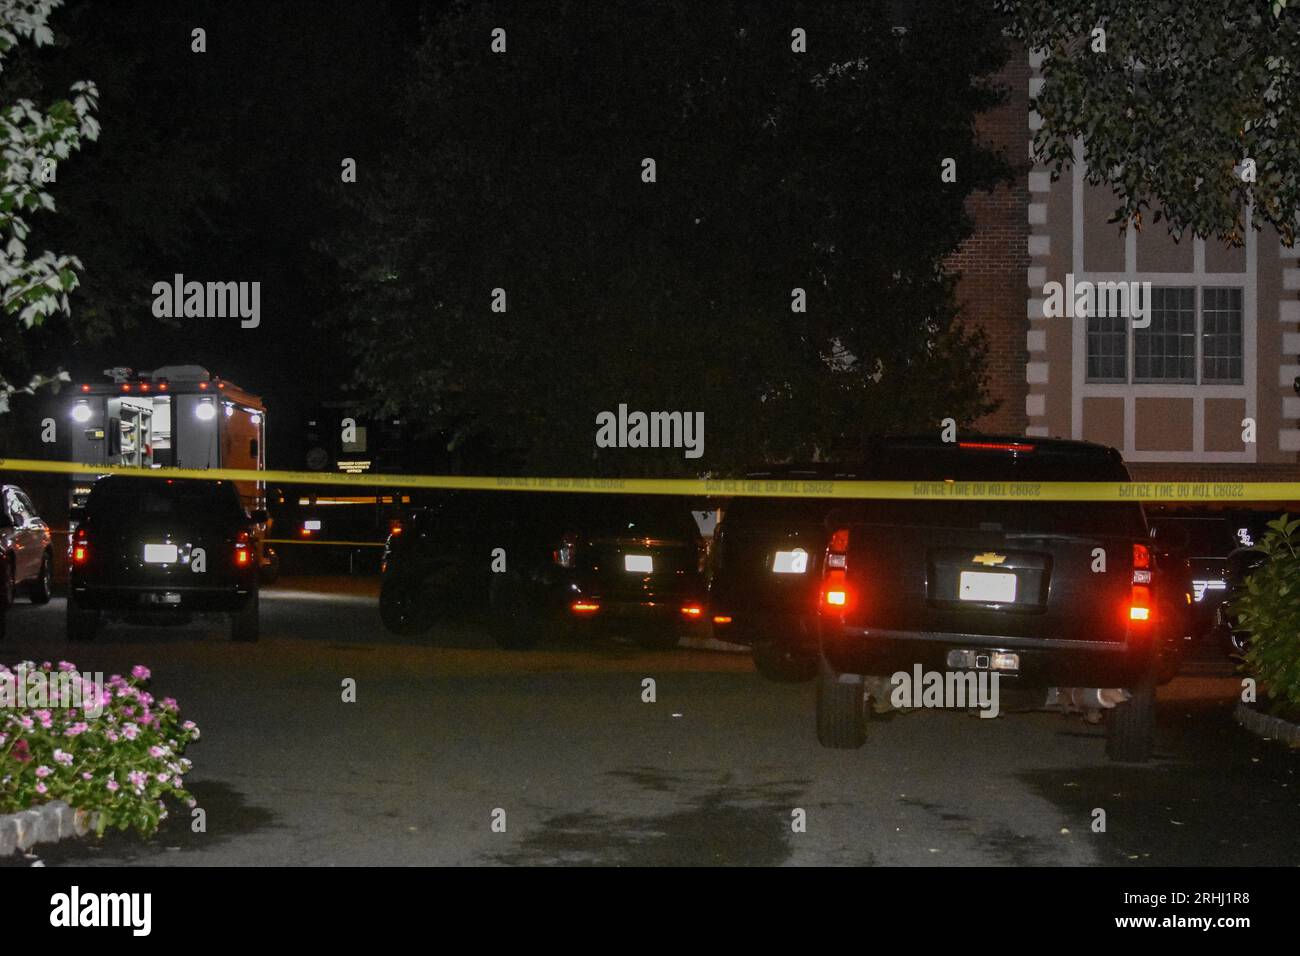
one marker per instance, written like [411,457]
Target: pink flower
[140,672]
[41,788]
[43,771]
[67,666]
[130,731]
[163,777]
[112,786]
[63,757]
[80,727]
[157,752]
[87,775]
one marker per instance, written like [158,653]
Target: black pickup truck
[767,563]
[1045,594]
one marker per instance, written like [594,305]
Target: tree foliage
[34,286]
[1171,103]
[775,170]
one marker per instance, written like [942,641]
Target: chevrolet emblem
[989,558]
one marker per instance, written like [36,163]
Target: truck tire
[784,663]
[514,620]
[41,589]
[402,605]
[82,623]
[246,623]
[663,637]
[1131,730]
[841,709]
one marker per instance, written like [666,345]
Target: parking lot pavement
[720,768]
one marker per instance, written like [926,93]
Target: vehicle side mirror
[259,516]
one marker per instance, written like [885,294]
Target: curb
[48,823]
[1267,726]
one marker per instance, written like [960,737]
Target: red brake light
[996,446]
[722,619]
[584,607]
[1140,603]
[80,554]
[1141,557]
[692,610]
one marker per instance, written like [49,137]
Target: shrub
[122,763]
[1269,611]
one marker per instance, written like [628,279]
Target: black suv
[160,550]
[766,571]
[1045,594]
[531,564]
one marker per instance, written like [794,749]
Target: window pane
[1221,347]
[1165,351]
[1107,348]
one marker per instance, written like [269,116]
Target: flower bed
[109,749]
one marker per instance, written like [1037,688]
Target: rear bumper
[759,627]
[1043,663]
[128,598]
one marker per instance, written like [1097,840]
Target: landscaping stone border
[48,823]
[1265,725]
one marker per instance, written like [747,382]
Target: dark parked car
[1205,541]
[161,550]
[531,564]
[26,555]
[766,573]
[1240,564]
[1017,587]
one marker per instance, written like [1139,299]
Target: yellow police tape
[1217,491]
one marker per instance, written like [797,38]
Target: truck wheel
[83,624]
[42,589]
[246,624]
[841,709]
[402,605]
[661,638]
[779,661]
[514,621]
[1131,730]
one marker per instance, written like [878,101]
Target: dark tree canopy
[775,170]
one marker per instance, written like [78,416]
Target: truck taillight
[80,547]
[243,554]
[835,586]
[1139,604]
[566,553]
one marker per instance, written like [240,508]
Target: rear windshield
[957,464]
[116,498]
[1197,537]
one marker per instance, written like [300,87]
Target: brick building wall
[993,261]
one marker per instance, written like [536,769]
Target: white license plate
[790,562]
[638,563]
[160,553]
[988,586]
